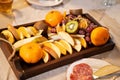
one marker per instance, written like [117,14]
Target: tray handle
[2,38]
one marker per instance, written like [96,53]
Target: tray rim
[21,75]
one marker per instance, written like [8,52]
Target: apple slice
[51,52]
[61,47]
[13,31]
[77,45]
[46,57]
[66,45]
[53,47]
[55,37]
[67,37]
[8,35]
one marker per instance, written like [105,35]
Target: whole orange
[31,52]
[99,36]
[53,18]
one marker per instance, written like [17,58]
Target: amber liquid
[6,6]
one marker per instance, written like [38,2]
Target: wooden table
[24,13]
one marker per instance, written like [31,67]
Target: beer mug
[6,6]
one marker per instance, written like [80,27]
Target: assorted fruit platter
[59,39]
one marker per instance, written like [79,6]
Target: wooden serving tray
[23,70]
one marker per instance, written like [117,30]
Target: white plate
[94,63]
[45,3]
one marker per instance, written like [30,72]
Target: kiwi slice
[71,27]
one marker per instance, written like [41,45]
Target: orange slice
[83,42]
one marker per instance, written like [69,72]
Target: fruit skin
[13,31]
[54,48]
[66,45]
[8,35]
[51,52]
[71,27]
[46,57]
[53,18]
[99,36]
[61,47]
[31,52]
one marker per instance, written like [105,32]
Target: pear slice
[53,47]
[77,45]
[19,43]
[46,57]
[66,45]
[61,47]
[8,35]
[67,37]
[13,31]
[106,70]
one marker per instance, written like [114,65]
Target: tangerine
[31,52]
[53,18]
[99,36]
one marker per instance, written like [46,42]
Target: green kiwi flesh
[71,27]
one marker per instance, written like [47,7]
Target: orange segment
[99,36]
[83,42]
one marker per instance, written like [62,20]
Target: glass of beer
[6,6]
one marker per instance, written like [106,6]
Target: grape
[82,32]
[87,34]
[87,38]
[53,30]
[64,21]
[89,29]
[71,17]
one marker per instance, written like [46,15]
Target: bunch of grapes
[87,32]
